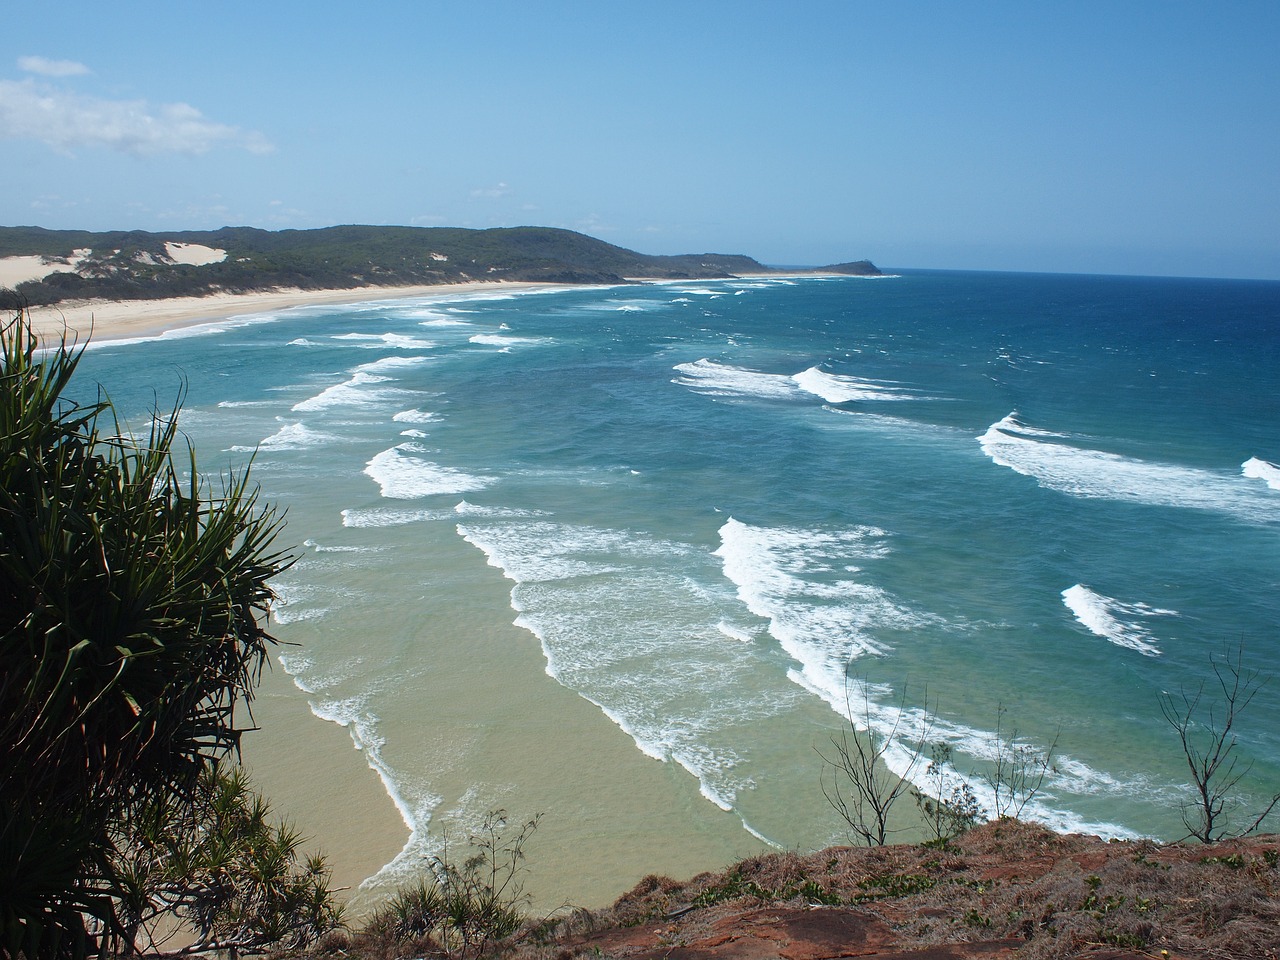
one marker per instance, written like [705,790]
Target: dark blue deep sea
[728,511]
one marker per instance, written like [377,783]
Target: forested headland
[138,265]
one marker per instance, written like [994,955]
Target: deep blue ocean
[727,511]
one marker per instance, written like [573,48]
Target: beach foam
[397,341]
[382,517]
[415,416]
[505,341]
[798,580]
[673,681]
[712,378]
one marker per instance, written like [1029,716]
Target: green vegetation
[136,264]
[222,867]
[463,910]
[133,603]
[946,814]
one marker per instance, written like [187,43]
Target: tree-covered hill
[140,265]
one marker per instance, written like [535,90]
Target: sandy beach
[124,319]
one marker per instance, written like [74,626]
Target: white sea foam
[834,388]
[397,341]
[874,707]
[734,633]
[803,582]
[349,393]
[322,548]
[292,436]
[209,329]
[718,379]
[302,342]
[465,509]
[384,517]
[700,291]
[1261,470]
[1063,463]
[392,364]
[415,416]
[431,317]
[361,388]
[355,715]
[504,341]
[295,601]
[1121,623]
[402,476]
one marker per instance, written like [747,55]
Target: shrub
[462,909]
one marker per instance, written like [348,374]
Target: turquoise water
[712,504]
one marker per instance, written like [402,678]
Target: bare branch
[1206,734]
[856,780]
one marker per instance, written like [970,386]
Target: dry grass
[1057,896]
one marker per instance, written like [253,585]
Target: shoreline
[109,320]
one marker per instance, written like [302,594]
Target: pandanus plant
[133,612]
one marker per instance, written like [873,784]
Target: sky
[1128,136]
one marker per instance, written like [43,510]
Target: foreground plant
[948,806]
[133,608]
[223,869]
[465,908]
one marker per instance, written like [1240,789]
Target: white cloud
[31,111]
[52,68]
[491,193]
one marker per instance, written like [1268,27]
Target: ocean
[648,547]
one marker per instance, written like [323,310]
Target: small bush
[462,910]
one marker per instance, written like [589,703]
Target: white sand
[16,270]
[194,254]
[121,319]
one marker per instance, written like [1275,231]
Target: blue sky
[1119,137]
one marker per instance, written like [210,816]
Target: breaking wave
[1062,462]
[1113,620]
